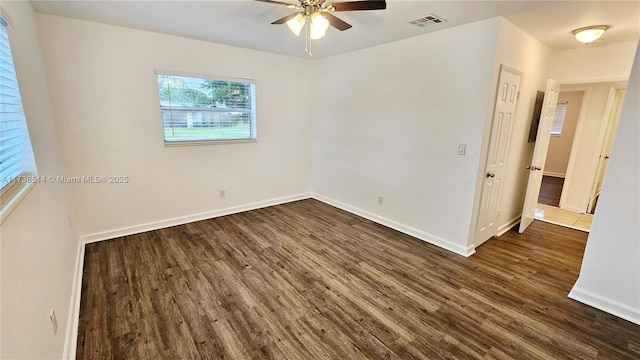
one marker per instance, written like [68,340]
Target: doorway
[586,119]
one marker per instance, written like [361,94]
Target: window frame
[16,189]
[253,112]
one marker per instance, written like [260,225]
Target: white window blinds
[206,109]
[558,119]
[16,155]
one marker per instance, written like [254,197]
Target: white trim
[607,305]
[554,174]
[155,225]
[208,142]
[7,18]
[205,76]
[508,226]
[569,83]
[426,237]
[15,199]
[71,335]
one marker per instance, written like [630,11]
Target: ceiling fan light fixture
[319,26]
[296,24]
[589,34]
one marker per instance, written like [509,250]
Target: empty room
[307,179]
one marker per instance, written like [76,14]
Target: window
[17,166]
[558,119]
[202,109]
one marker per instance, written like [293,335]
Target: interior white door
[501,131]
[539,154]
[603,160]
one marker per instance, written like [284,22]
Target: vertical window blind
[558,119]
[16,156]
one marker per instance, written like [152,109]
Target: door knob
[490,174]
[606,157]
[537,168]
[528,167]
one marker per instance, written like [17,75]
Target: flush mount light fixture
[589,34]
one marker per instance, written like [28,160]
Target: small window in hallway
[558,119]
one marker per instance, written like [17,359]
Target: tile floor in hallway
[570,219]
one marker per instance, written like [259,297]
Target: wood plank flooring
[550,190]
[305,280]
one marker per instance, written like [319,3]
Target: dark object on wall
[535,119]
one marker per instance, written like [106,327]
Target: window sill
[12,197]
[208,142]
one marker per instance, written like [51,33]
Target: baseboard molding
[71,335]
[554,174]
[506,227]
[431,239]
[155,225]
[607,305]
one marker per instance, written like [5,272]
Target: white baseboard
[607,305]
[71,335]
[554,174]
[431,239]
[506,227]
[160,224]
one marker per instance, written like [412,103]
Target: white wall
[591,64]
[610,274]
[38,246]
[104,91]
[560,145]
[520,51]
[587,143]
[389,123]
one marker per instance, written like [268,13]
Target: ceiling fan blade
[277,2]
[360,5]
[336,23]
[284,19]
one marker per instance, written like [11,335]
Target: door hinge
[518,97]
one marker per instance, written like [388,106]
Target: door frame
[482,169]
[586,99]
[585,86]
[607,138]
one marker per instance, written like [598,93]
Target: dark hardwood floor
[305,280]
[550,190]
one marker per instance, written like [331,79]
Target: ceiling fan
[316,15]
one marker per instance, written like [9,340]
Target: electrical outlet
[54,321]
[223,194]
[380,199]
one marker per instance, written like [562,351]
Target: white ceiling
[246,23]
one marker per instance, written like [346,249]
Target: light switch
[462,149]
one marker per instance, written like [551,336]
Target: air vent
[430,19]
